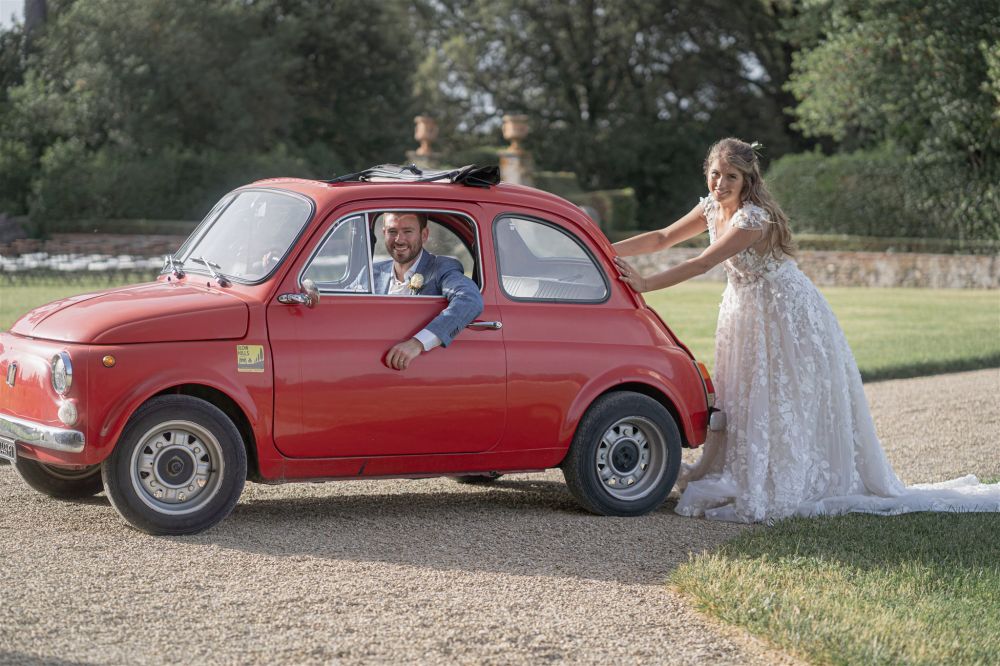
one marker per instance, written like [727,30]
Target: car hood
[153,312]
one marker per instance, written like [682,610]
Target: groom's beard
[404,254]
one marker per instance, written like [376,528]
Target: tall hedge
[867,193]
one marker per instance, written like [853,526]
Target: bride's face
[724,182]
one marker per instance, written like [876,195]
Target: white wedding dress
[800,438]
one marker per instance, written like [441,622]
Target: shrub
[882,193]
[479,155]
[563,183]
[860,194]
[616,209]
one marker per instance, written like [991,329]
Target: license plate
[7,449]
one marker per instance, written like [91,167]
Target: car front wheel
[625,456]
[178,468]
[61,482]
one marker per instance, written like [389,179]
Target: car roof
[328,195]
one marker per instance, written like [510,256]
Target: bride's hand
[629,275]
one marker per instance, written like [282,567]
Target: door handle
[486,325]
[309,297]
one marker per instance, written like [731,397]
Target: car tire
[178,467]
[477,479]
[625,455]
[61,482]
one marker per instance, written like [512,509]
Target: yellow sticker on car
[250,358]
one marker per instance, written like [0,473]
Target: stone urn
[515,128]
[426,131]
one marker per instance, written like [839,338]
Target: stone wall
[867,269]
[144,245]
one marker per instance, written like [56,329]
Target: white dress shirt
[402,288]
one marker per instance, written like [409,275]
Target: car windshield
[246,235]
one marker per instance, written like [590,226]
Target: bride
[800,438]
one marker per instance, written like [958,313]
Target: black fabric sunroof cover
[471,175]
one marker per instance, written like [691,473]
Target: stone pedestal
[515,167]
[515,162]
[425,130]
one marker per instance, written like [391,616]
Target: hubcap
[631,458]
[177,467]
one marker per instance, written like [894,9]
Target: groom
[413,270]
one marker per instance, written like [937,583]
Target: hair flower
[415,282]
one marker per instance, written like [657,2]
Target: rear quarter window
[540,261]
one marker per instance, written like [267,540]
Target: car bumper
[716,420]
[42,436]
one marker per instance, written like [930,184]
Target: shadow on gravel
[22,659]
[529,528]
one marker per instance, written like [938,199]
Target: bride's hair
[741,156]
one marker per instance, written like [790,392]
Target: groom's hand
[401,354]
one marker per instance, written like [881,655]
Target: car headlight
[62,373]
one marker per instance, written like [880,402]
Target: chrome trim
[295,299]
[12,374]
[46,437]
[488,325]
[68,364]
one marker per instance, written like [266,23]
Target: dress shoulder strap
[708,207]
[750,216]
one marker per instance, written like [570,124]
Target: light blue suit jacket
[443,276]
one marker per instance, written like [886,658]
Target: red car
[260,353]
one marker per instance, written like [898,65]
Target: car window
[539,261]
[341,264]
[442,241]
[247,235]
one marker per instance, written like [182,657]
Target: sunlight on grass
[915,589]
[17,300]
[892,332]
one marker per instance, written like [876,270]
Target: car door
[334,394]
[562,324]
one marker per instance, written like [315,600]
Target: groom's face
[403,237]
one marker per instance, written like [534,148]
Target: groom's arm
[465,303]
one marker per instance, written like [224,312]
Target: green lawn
[860,589]
[15,300]
[893,332]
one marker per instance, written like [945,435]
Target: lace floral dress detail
[800,438]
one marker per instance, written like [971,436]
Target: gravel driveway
[416,571]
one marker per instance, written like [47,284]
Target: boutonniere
[415,282]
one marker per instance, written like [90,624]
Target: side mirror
[309,299]
[312,291]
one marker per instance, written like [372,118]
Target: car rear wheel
[61,482]
[178,468]
[625,456]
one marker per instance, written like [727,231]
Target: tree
[153,108]
[921,76]
[352,85]
[623,93]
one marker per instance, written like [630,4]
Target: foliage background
[878,117]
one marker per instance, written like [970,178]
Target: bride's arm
[732,242]
[688,226]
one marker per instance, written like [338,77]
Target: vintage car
[260,353]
